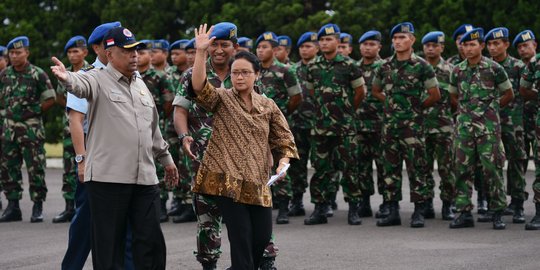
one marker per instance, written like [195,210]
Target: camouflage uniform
[404,84]
[24,135]
[335,141]
[279,83]
[370,116]
[478,130]
[439,125]
[454,60]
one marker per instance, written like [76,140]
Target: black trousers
[111,206]
[249,228]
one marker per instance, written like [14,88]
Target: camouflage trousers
[484,152]
[369,152]
[298,171]
[536,183]
[182,191]
[330,154]
[24,142]
[514,147]
[439,147]
[3,173]
[69,176]
[404,145]
[529,136]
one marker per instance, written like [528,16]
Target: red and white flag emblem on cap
[110,42]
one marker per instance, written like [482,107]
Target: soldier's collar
[412,60]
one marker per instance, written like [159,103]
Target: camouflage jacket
[279,83]
[162,91]
[512,114]
[333,83]
[478,88]
[303,115]
[370,112]
[404,83]
[439,117]
[530,108]
[175,75]
[454,60]
[530,79]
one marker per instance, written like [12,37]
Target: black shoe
[352,216]
[68,213]
[429,212]
[498,223]
[393,218]
[209,266]
[274,203]
[37,212]
[417,218]
[482,206]
[519,216]
[318,216]
[176,208]
[535,221]
[446,211]
[163,217]
[328,210]
[509,210]
[297,206]
[464,220]
[267,263]
[487,217]
[384,210]
[334,205]
[12,212]
[283,212]
[364,209]
[187,216]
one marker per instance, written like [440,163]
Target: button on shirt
[123,135]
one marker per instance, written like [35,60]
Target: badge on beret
[498,34]
[526,36]
[314,36]
[468,28]
[249,43]
[283,42]
[157,45]
[127,33]
[19,44]
[80,43]
[475,35]
[268,36]
[329,30]
[440,39]
[405,29]
[346,40]
[232,33]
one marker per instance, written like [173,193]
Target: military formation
[469,113]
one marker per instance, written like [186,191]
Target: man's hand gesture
[59,70]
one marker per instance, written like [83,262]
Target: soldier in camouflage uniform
[282,51]
[163,93]
[279,83]
[459,57]
[300,123]
[3,65]
[76,51]
[345,44]
[475,87]
[159,53]
[28,92]
[401,83]
[512,128]
[439,127]
[337,87]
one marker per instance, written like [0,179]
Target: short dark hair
[250,57]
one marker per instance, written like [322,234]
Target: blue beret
[179,44]
[3,51]
[97,35]
[160,44]
[345,38]
[18,42]
[267,36]
[191,44]
[284,41]
[76,41]
[225,31]
[474,34]
[245,42]
[497,33]
[435,36]
[307,37]
[404,27]
[523,37]
[146,42]
[328,29]
[462,29]
[370,35]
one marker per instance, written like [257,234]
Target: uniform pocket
[119,106]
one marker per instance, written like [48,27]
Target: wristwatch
[79,158]
[182,136]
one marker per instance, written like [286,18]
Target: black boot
[429,212]
[12,212]
[464,220]
[509,210]
[487,217]
[283,217]
[37,212]
[352,216]
[531,226]
[482,204]
[187,216]
[519,216]
[393,217]
[176,208]
[68,213]
[163,217]
[384,210]
[328,210]
[318,216]
[498,223]
[446,211]
[333,202]
[267,263]
[417,218]
[209,266]
[365,207]
[297,206]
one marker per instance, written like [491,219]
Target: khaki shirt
[123,134]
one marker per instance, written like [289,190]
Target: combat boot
[163,217]
[446,211]
[429,212]
[297,206]
[498,223]
[333,202]
[482,204]
[283,211]
[209,266]
[393,218]
[176,208]
[417,218]
[509,210]
[68,213]
[318,216]
[464,220]
[12,212]
[384,210]
[531,226]
[352,216]
[328,210]
[487,217]
[187,216]
[267,263]
[37,212]
[519,216]
[365,207]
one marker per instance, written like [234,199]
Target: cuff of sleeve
[452,89]
[166,160]
[358,82]
[181,101]
[309,85]
[525,84]
[430,83]
[47,95]
[294,90]
[505,86]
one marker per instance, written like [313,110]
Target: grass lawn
[54,150]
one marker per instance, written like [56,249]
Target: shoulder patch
[88,68]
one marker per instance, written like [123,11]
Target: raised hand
[59,70]
[202,37]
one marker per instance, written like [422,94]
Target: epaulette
[88,68]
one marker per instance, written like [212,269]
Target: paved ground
[332,246]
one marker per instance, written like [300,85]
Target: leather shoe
[37,212]
[12,212]
[464,220]
[318,216]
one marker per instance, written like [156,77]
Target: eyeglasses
[244,73]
